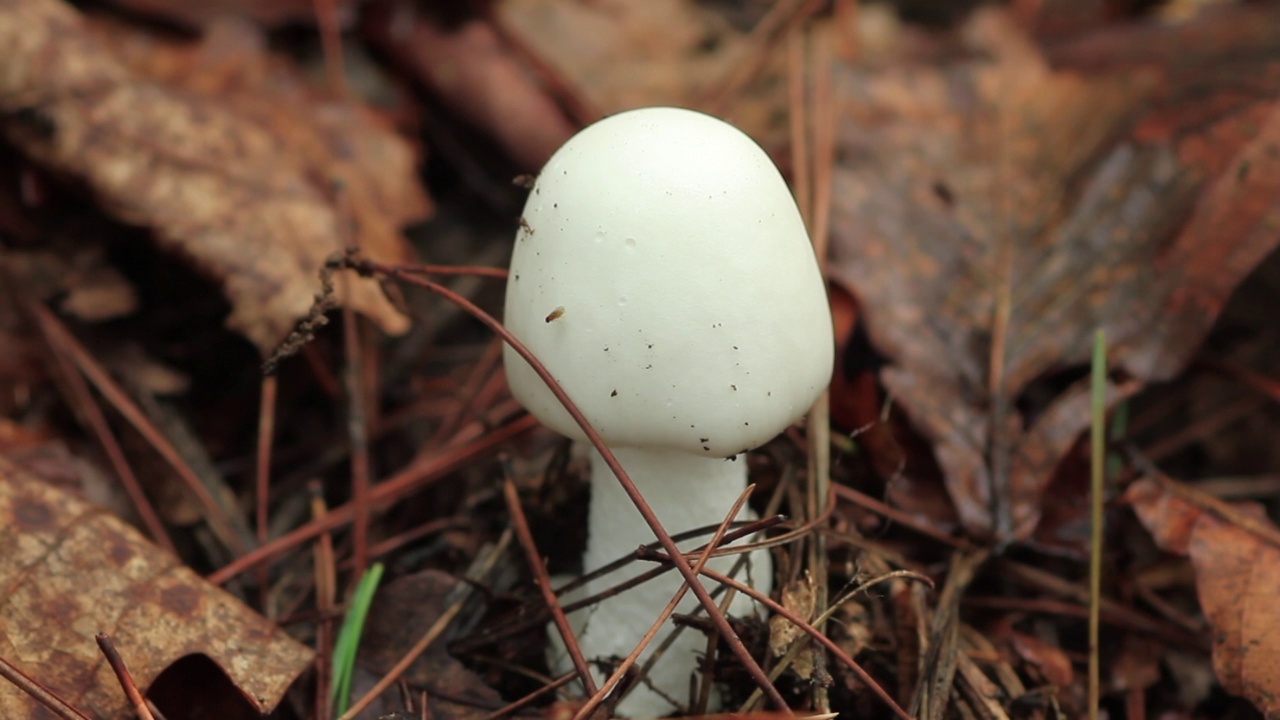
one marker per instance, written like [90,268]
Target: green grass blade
[344,649]
[1097,456]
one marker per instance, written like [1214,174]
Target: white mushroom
[663,275]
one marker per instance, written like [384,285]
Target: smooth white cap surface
[664,276]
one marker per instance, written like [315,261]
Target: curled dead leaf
[246,195]
[71,570]
[1235,551]
[798,597]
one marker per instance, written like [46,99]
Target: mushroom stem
[685,491]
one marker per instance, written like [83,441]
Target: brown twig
[540,618]
[747,530]
[326,591]
[813,152]
[91,413]
[331,42]
[358,436]
[391,544]
[477,380]
[804,626]
[516,705]
[1111,614]
[798,126]
[780,19]
[571,102]
[477,270]
[543,580]
[424,472]
[355,391]
[222,524]
[1261,529]
[999,446]
[262,478]
[38,692]
[122,674]
[934,690]
[866,501]
[798,644]
[1207,421]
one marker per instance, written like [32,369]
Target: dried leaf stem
[425,471]
[122,673]
[807,628]
[42,694]
[543,581]
[234,536]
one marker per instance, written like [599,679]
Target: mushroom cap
[663,274]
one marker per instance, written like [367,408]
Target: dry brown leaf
[1051,660]
[228,161]
[621,54]
[210,12]
[77,276]
[798,597]
[71,570]
[1237,566]
[1137,666]
[401,613]
[991,212]
[342,142]
[479,78]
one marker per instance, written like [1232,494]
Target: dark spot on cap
[613,394]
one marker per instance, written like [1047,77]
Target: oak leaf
[991,212]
